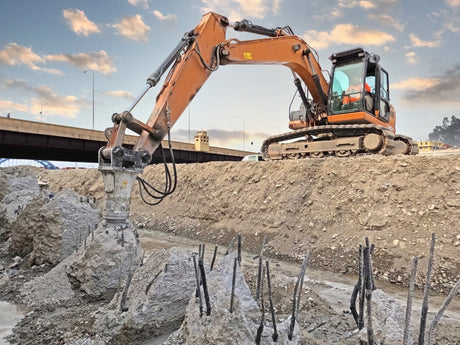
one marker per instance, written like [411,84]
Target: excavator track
[337,140]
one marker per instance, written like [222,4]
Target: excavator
[349,115]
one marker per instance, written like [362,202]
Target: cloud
[95,61]
[411,58]
[66,106]
[453,3]
[120,94]
[79,23]
[354,3]
[9,106]
[241,9]
[133,28]
[140,3]
[440,89]
[346,34]
[172,18]
[417,42]
[387,20]
[415,84]
[14,54]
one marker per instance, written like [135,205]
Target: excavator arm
[199,53]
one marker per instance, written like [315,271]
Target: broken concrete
[156,299]
[223,327]
[101,269]
[51,229]
[17,192]
[388,319]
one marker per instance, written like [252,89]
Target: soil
[324,207]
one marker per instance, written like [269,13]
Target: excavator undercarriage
[337,140]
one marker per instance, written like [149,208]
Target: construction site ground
[321,207]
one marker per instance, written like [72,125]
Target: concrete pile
[15,194]
[38,225]
[51,229]
[222,326]
[155,301]
[388,320]
[96,270]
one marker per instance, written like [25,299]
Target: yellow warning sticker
[247,56]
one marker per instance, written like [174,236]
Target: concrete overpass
[23,139]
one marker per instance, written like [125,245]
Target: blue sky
[45,46]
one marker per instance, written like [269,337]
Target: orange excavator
[351,114]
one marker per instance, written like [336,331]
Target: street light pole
[41,111]
[93,93]
[244,130]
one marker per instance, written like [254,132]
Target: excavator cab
[359,91]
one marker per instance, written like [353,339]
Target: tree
[448,133]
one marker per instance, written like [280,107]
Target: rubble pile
[89,284]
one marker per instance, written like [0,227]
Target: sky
[50,51]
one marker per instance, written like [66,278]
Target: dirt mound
[325,205]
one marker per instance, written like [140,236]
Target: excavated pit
[54,260]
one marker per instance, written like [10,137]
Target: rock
[102,268]
[158,296]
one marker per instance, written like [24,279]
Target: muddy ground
[325,207]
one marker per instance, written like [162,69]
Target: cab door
[383,96]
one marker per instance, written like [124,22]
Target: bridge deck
[36,140]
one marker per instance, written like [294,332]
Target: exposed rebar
[426,291]
[198,290]
[361,288]
[262,309]
[302,274]
[410,295]
[368,289]
[202,251]
[239,249]
[294,300]
[149,285]
[124,295]
[259,271]
[272,309]
[205,286]
[235,262]
[356,290]
[213,257]
[230,246]
[441,311]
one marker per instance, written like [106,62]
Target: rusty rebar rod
[426,291]
[410,295]
[361,288]
[356,290]
[259,271]
[198,290]
[294,301]
[149,285]
[230,246]
[368,292]
[302,274]
[232,296]
[270,299]
[213,257]
[262,309]
[441,311]
[205,286]
[124,295]
[239,249]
